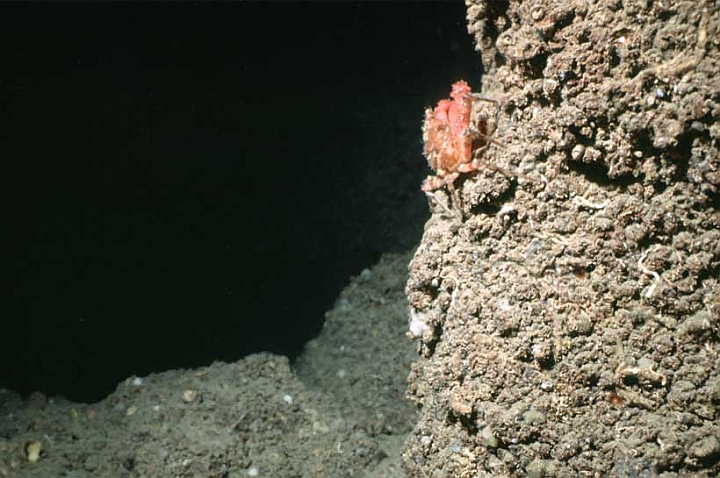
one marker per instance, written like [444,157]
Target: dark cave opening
[188,184]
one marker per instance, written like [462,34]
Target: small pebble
[189,395]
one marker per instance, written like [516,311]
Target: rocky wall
[565,296]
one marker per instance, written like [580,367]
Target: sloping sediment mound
[342,414]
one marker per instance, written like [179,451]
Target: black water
[188,184]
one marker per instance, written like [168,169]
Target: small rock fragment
[32,449]
[189,395]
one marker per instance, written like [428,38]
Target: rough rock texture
[566,297]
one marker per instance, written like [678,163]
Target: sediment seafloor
[338,412]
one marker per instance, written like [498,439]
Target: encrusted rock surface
[566,297]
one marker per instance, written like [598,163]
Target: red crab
[449,138]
